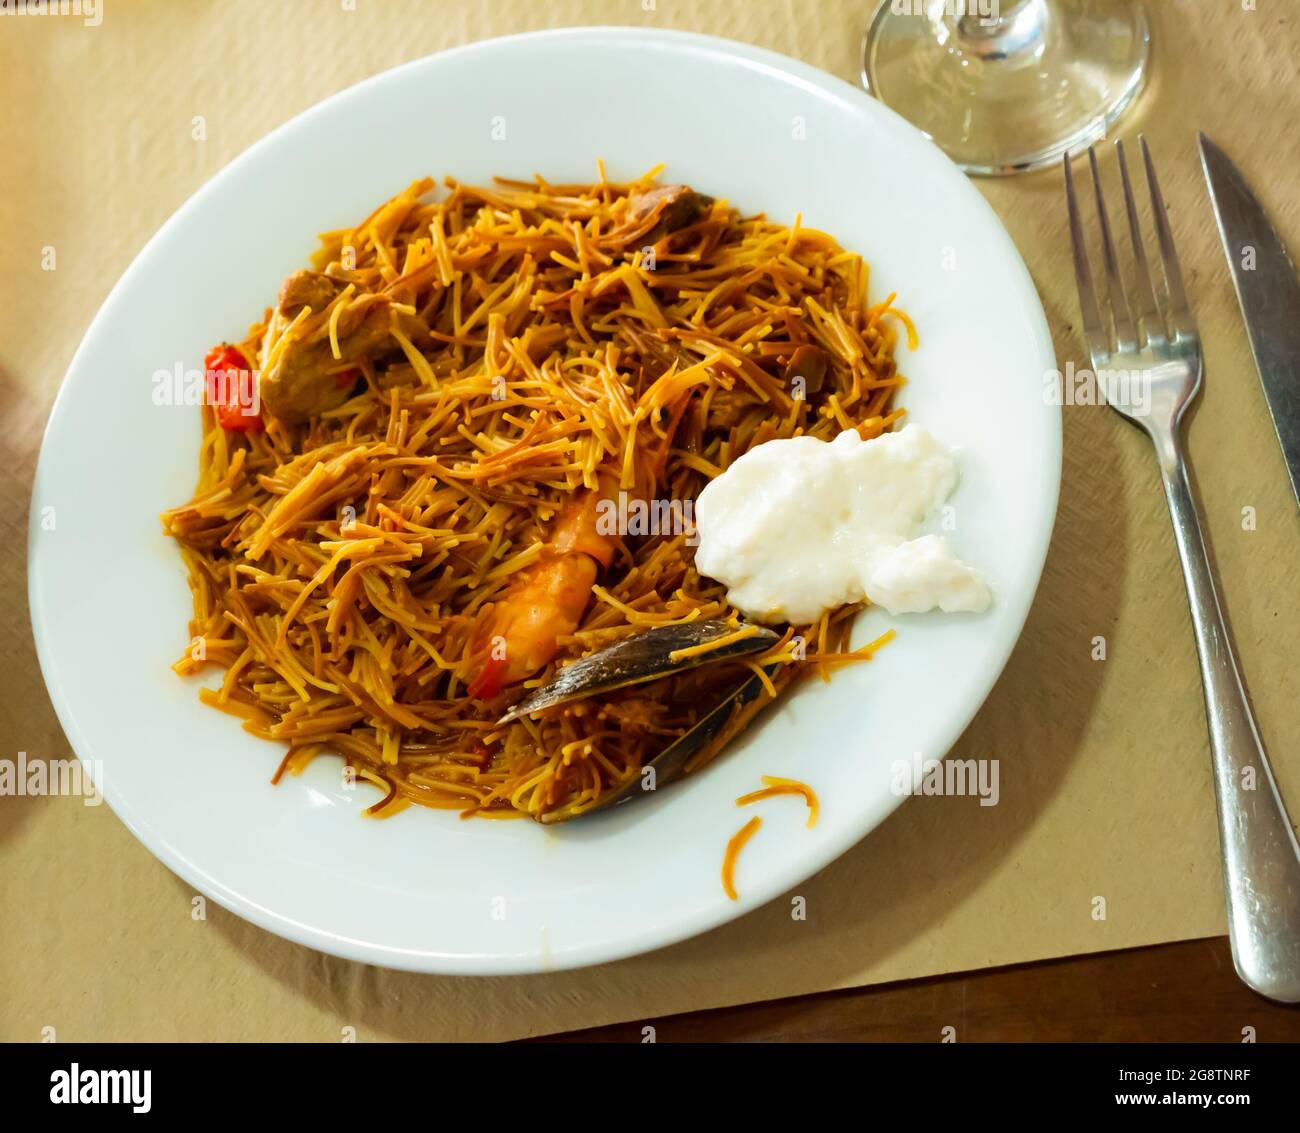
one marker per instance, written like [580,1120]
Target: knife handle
[1261,857]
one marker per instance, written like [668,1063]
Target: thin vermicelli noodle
[731,855]
[448,397]
[774,785]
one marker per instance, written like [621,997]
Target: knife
[1269,294]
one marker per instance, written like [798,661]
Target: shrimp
[520,633]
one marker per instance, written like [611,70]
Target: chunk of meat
[810,365]
[673,206]
[312,289]
[303,377]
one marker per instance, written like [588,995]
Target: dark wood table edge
[1186,991]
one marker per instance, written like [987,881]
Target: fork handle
[1261,858]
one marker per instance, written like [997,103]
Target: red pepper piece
[225,369]
[488,682]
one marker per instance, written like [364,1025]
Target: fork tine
[1144,299]
[1125,335]
[1094,333]
[1180,314]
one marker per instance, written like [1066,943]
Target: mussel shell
[716,729]
[645,656]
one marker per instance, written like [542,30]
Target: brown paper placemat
[1105,785]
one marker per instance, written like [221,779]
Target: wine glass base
[1051,79]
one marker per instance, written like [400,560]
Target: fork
[1150,354]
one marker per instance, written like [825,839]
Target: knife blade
[1269,294]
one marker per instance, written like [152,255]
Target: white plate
[427,890]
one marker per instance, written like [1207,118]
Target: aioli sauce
[799,526]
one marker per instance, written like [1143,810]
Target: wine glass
[1007,85]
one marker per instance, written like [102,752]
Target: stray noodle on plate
[400,529]
[772,787]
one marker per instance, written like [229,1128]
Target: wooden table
[1186,992]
